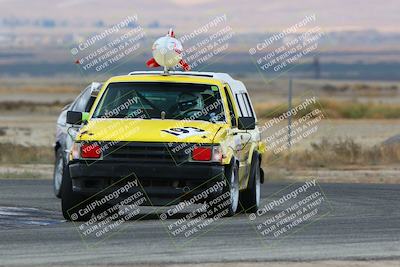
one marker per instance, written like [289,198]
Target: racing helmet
[189,101]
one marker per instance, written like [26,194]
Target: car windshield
[148,100]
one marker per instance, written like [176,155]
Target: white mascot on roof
[167,52]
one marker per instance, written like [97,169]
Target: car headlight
[76,151]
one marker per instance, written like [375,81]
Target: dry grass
[336,109]
[340,161]
[323,154]
[13,153]
[361,88]
[55,106]
[41,89]
[21,175]
[340,152]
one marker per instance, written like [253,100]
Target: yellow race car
[175,133]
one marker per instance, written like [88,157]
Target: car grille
[147,152]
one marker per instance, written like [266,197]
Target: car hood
[154,130]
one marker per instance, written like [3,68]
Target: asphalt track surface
[361,222]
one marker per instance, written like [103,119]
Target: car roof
[236,86]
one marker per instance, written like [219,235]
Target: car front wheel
[228,205]
[58,174]
[71,202]
[232,177]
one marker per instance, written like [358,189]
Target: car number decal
[183,132]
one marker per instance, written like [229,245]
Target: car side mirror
[247,123]
[76,117]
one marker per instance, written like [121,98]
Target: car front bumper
[161,182]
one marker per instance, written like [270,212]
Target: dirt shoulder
[389,174]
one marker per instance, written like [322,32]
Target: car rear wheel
[250,197]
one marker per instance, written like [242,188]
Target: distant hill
[185,15]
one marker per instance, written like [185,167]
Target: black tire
[250,197]
[59,172]
[232,185]
[70,201]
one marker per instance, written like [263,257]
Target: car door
[248,137]
[241,138]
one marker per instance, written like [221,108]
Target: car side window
[230,107]
[248,105]
[242,106]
